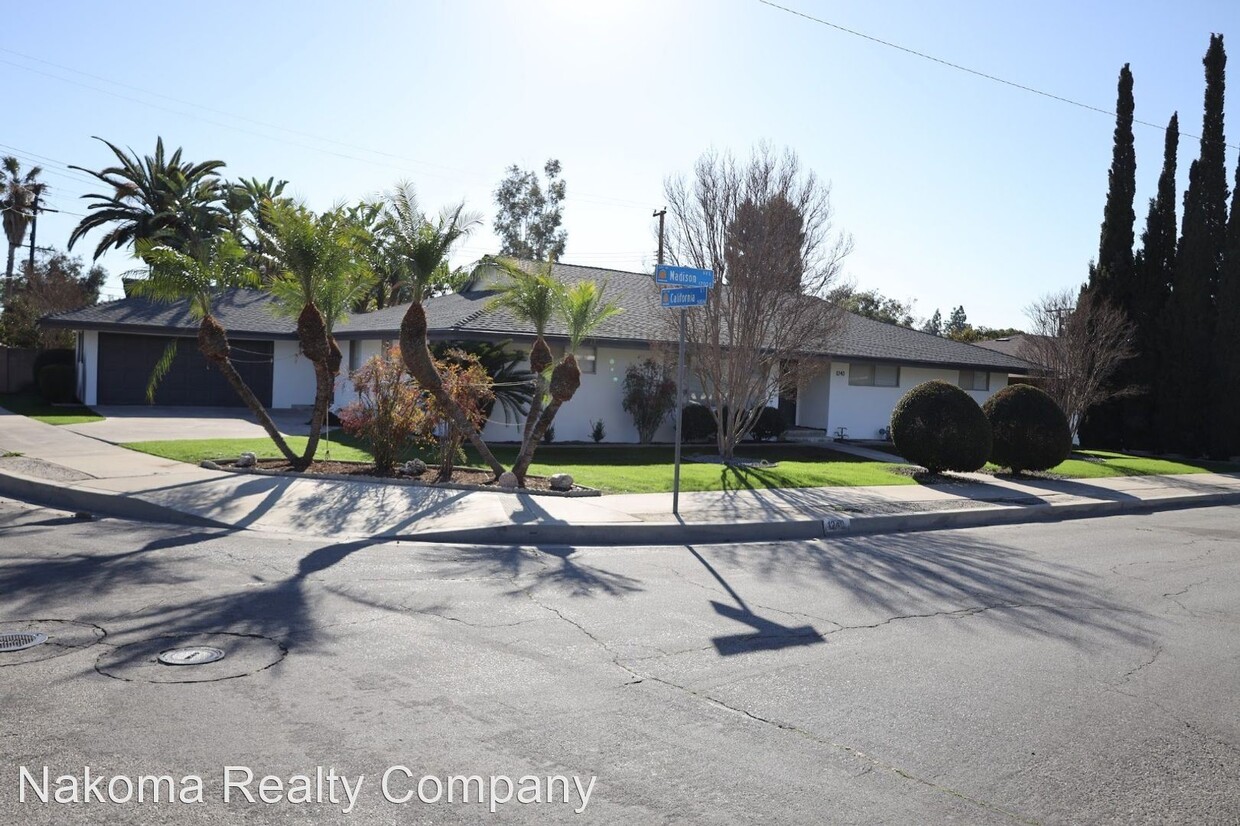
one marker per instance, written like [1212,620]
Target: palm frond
[161,369]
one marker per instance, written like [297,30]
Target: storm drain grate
[194,655]
[20,640]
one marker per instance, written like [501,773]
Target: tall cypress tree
[1226,419]
[1187,368]
[1112,277]
[1154,267]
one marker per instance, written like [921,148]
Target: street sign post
[683,296]
[683,287]
[672,276]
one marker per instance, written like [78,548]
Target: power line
[966,69]
[457,175]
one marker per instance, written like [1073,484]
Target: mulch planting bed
[365,471]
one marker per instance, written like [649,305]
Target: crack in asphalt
[874,762]
[1158,649]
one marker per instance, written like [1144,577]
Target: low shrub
[1030,431]
[697,424]
[45,357]
[938,426]
[58,383]
[770,425]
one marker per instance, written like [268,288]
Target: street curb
[105,503]
[63,496]
[831,525]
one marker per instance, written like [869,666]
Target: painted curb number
[835,523]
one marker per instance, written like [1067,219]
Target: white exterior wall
[864,410]
[599,398]
[292,377]
[89,383]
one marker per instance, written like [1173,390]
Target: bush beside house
[938,426]
[1030,431]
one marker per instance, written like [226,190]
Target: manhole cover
[190,656]
[148,660]
[20,640]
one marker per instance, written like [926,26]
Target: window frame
[873,378]
[985,388]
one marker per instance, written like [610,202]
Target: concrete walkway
[62,467]
[140,423]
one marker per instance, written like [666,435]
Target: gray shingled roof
[470,314]
[246,312]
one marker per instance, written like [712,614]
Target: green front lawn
[29,403]
[1106,463]
[1103,463]
[611,469]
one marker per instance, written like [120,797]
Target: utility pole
[34,221]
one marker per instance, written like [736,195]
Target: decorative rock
[414,467]
[561,481]
[208,465]
[507,479]
[246,460]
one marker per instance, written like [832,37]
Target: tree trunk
[8,276]
[320,348]
[526,458]
[213,343]
[417,356]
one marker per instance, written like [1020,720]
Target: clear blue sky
[957,190]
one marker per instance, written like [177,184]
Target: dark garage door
[126,363]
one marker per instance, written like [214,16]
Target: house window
[874,375]
[587,359]
[355,355]
[975,379]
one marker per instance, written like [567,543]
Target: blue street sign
[684,276]
[683,296]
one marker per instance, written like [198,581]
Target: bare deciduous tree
[1078,343]
[766,228]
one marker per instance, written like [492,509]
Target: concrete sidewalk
[62,468]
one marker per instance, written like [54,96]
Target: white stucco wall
[864,410]
[599,398]
[90,365]
[292,377]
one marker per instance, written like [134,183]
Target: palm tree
[318,273]
[533,297]
[157,198]
[246,201]
[582,309]
[198,273]
[423,246]
[17,203]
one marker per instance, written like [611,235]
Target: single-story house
[871,363]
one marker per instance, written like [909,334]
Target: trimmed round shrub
[58,383]
[697,423]
[1030,431]
[770,425]
[938,426]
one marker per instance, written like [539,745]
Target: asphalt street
[1081,672]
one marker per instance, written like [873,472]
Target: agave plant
[199,273]
[582,308]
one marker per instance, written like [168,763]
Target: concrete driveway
[157,423]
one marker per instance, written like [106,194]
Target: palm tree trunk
[8,276]
[256,407]
[324,383]
[417,356]
[213,342]
[526,457]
